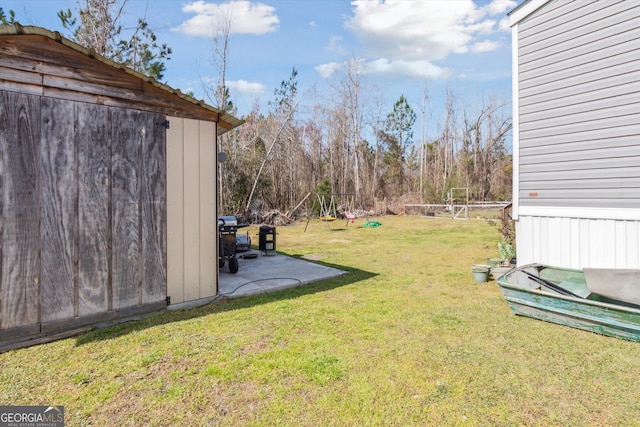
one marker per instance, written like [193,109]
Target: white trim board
[576,212]
[524,10]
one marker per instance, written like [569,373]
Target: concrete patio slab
[270,273]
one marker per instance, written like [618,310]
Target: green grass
[406,338]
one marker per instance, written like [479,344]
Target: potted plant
[507,252]
[506,248]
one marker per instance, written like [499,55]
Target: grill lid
[229,221]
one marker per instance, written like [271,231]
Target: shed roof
[43,62]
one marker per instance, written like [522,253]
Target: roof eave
[525,9]
[226,121]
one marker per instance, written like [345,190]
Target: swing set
[328,207]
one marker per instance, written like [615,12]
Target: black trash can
[267,239]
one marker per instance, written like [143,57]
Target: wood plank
[92,87]
[42,49]
[43,339]
[125,182]
[58,215]
[153,210]
[18,332]
[185,110]
[175,213]
[20,88]
[94,227]
[105,318]
[19,76]
[20,204]
[208,220]
[87,69]
[191,211]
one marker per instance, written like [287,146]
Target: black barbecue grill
[227,229]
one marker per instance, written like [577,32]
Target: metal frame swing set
[328,209]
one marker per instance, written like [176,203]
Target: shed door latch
[165,124]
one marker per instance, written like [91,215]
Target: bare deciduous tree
[328,152]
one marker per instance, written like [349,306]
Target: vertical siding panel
[608,239]
[635,263]
[546,247]
[585,239]
[554,232]
[564,245]
[575,249]
[632,242]
[93,148]
[535,238]
[523,242]
[59,190]
[20,257]
[529,244]
[175,211]
[594,252]
[153,200]
[191,210]
[596,233]
[215,207]
[208,222]
[620,242]
[124,202]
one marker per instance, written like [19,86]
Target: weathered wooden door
[82,213]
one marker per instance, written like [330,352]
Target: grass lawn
[406,338]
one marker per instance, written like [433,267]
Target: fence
[479,210]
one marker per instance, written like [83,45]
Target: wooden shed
[576,133]
[107,188]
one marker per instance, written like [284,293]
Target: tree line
[350,145]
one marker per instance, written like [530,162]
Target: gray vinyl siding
[579,104]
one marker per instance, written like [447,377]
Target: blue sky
[460,45]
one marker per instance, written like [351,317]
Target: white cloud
[497,7]
[384,66]
[242,17]
[328,70]
[334,45]
[504,25]
[244,87]
[484,46]
[409,68]
[409,36]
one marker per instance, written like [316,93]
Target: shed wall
[83,230]
[191,210]
[579,105]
